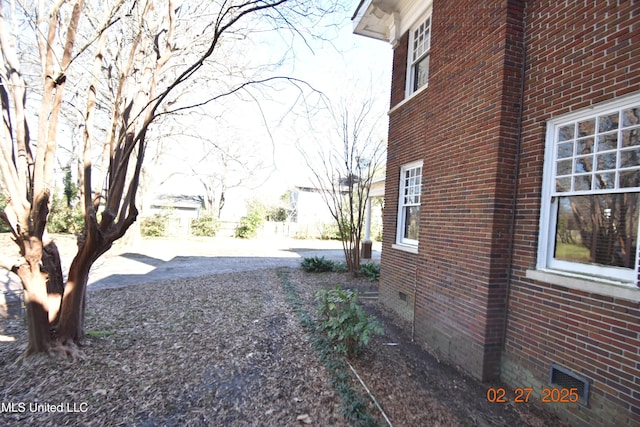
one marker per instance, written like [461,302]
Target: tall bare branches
[343,166]
[123,71]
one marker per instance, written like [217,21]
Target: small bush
[329,231]
[155,225]
[206,226]
[371,270]
[321,265]
[345,322]
[63,219]
[250,224]
[340,267]
[246,229]
[4,226]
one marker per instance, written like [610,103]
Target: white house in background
[182,209]
[310,212]
[309,206]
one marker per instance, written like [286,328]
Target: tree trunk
[34,283]
[55,280]
[71,323]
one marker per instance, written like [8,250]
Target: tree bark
[70,327]
[71,323]
[34,282]
[55,280]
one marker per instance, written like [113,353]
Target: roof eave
[370,20]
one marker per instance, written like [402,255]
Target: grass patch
[353,405]
[99,334]
[572,252]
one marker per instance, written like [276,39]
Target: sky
[348,63]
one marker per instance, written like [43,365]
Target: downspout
[512,225]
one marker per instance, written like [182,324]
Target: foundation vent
[566,379]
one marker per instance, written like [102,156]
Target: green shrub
[155,225]
[277,214]
[249,225]
[4,227]
[340,267]
[321,265]
[64,219]
[345,322]
[206,226]
[371,270]
[329,231]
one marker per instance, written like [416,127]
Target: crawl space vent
[564,378]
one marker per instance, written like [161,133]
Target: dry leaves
[226,350]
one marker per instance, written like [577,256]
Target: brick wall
[463,126]
[578,54]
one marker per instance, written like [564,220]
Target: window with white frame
[409,204]
[591,192]
[418,56]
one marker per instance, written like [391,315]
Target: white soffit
[387,19]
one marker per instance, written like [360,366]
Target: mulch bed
[230,350]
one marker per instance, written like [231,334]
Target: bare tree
[226,161]
[344,165]
[125,70]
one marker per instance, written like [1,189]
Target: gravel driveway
[157,259]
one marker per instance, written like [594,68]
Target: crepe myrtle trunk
[55,309]
[40,274]
[34,281]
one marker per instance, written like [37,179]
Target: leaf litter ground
[229,350]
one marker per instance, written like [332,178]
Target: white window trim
[409,92]
[592,285]
[409,245]
[546,237]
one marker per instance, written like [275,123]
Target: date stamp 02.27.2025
[524,395]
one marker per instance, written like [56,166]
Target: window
[418,58]
[409,204]
[591,192]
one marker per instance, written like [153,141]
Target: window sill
[405,248]
[408,98]
[596,285]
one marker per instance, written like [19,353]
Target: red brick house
[512,193]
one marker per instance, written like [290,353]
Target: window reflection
[598,229]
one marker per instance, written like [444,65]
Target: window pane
[584,164]
[608,141]
[598,229]
[586,128]
[606,161]
[630,158]
[582,183]
[630,137]
[421,73]
[565,133]
[565,150]
[585,146]
[564,167]
[421,39]
[563,185]
[605,181]
[608,122]
[411,221]
[630,179]
[630,116]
